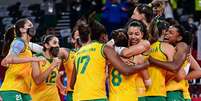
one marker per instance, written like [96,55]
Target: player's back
[157,74]
[90,66]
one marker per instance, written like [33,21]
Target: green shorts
[187,99]
[69,96]
[142,98]
[14,96]
[155,98]
[175,96]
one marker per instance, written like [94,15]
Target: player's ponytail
[9,36]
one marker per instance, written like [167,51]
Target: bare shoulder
[181,45]
[146,44]
[167,46]
[168,49]
[63,52]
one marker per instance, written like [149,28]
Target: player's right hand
[56,62]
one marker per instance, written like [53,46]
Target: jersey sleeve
[35,47]
[119,49]
[17,47]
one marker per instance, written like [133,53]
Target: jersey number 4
[83,60]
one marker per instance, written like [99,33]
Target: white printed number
[18,97]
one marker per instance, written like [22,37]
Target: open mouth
[166,39]
[134,42]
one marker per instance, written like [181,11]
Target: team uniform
[140,86]
[128,88]
[47,90]
[68,65]
[157,91]
[177,90]
[186,92]
[17,82]
[91,73]
[121,87]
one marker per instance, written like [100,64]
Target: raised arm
[118,64]
[39,76]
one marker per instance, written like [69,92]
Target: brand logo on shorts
[18,97]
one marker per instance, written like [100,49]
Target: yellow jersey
[186,92]
[182,85]
[47,90]
[91,73]
[121,87]
[173,85]
[127,88]
[157,74]
[140,86]
[68,65]
[18,76]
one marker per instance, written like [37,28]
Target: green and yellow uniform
[47,90]
[121,87]
[157,91]
[91,73]
[140,86]
[186,92]
[175,89]
[17,81]
[68,65]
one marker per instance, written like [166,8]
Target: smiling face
[135,35]
[172,35]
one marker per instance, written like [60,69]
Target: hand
[56,62]
[62,91]
[127,61]
[150,59]
[146,63]
[139,59]
[189,57]
[4,63]
[147,83]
